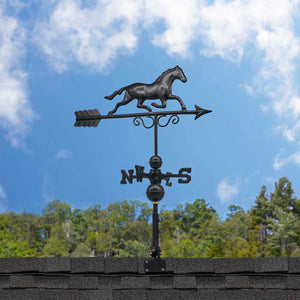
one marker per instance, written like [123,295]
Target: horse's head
[178,74]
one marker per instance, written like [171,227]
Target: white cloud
[48,190]
[63,154]
[289,133]
[2,192]
[90,36]
[269,180]
[264,30]
[226,190]
[281,162]
[16,114]
[181,21]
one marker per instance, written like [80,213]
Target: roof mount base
[155,265]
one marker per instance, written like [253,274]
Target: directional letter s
[188,177]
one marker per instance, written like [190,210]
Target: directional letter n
[127,177]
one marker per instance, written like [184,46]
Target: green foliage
[57,244]
[270,228]
[132,248]
[283,240]
[82,250]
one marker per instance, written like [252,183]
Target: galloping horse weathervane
[161,89]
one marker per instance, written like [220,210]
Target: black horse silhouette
[161,89]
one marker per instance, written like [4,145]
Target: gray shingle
[21,281]
[189,265]
[19,265]
[238,294]
[293,282]
[87,264]
[161,282]
[271,264]
[130,295]
[140,264]
[163,295]
[83,282]
[294,264]
[269,281]
[269,294]
[22,294]
[210,282]
[66,282]
[109,281]
[134,282]
[185,282]
[75,294]
[54,264]
[121,265]
[50,281]
[208,294]
[38,294]
[4,281]
[233,265]
[237,282]
[190,294]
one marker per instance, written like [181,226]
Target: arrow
[92,117]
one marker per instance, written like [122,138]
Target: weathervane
[161,89]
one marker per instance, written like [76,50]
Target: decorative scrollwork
[174,118]
[138,120]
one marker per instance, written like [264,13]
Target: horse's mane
[163,74]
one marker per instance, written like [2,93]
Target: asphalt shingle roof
[124,278]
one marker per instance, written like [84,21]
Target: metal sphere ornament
[155,192]
[155,162]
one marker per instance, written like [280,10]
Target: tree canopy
[123,229]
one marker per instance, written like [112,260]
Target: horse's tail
[115,93]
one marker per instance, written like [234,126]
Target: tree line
[123,229]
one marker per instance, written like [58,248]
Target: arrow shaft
[148,114]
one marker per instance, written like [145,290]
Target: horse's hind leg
[126,100]
[140,105]
[179,100]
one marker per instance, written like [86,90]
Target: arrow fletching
[200,112]
[87,118]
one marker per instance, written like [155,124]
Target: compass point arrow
[200,112]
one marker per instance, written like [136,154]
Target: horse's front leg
[163,104]
[179,99]
[140,105]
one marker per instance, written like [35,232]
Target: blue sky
[241,59]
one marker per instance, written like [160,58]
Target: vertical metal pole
[155,230]
[155,135]
[155,220]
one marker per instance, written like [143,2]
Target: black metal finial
[161,89]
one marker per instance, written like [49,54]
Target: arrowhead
[200,112]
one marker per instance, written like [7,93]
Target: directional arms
[155,175]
